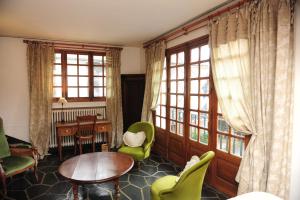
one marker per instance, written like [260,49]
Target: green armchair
[188,186]
[15,159]
[143,152]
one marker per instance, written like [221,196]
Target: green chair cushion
[136,152]
[4,148]
[15,163]
[164,183]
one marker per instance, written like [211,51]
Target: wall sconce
[63,101]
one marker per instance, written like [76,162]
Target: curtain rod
[195,24]
[74,45]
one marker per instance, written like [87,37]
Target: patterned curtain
[113,95]
[40,61]
[252,54]
[155,56]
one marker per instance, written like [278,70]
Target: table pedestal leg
[117,188]
[75,191]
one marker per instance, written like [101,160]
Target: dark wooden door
[133,87]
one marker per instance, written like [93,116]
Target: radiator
[70,114]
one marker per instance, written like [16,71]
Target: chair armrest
[20,145]
[2,173]
[24,151]
[147,146]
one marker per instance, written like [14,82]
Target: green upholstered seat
[189,185]
[12,164]
[4,148]
[140,153]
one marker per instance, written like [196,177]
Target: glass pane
[237,147]
[203,136]
[72,92]
[98,71]
[194,118]
[164,75]
[163,123]
[194,71]
[181,58]
[157,121]
[57,57]
[172,126]
[173,60]
[97,60]
[222,142]
[222,125]
[173,100]
[157,111]
[163,99]
[104,81]
[204,120]
[193,133]
[72,58]
[57,69]
[72,81]
[56,80]
[173,73]
[173,113]
[72,70]
[57,92]
[83,92]
[180,99]
[204,86]
[238,133]
[204,103]
[195,55]
[173,87]
[104,91]
[180,129]
[163,111]
[204,52]
[180,114]
[204,69]
[180,87]
[163,87]
[83,59]
[98,81]
[194,102]
[83,81]
[180,71]
[83,70]
[194,87]
[98,92]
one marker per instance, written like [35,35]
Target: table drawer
[65,131]
[103,128]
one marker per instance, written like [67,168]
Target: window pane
[195,55]
[194,102]
[83,92]
[72,70]
[72,81]
[193,133]
[222,142]
[180,71]
[204,52]
[163,111]
[204,103]
[163,99]
[83,81]
[57,81]
[157,110]
[203,136]
[72,58]
[57,92]
[164,75]
[180,87]
[97,60]
[173,73]
[181,58]
[173,100]
[173,87]
[57,57]
[163,87]
[204,86]
[98,81]
[172,126]
[194,118]
[204,120]
[180,99]
[57,69]
[237,147]
[163,123]
[72,92]
[83,70]
[157,121]
[104,81]
[194,71]
[222,125]
[194,87]
[98,92]
[180,129]
[180,115]
[83,59]
[173,113]
[238,133]
[204,69]
[173,60]
[98,71]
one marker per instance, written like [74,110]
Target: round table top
[96,167]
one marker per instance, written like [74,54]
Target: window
[161,109]
[79,75]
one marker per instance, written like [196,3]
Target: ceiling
[118,22]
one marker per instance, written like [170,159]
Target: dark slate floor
[134,185]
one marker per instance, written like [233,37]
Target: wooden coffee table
[96,167]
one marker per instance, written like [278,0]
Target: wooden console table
[70,128]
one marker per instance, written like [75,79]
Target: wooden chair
[85,131]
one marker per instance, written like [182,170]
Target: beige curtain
[113,95]
[252,67]
[155,56]
[40,62]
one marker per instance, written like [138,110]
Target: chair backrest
[147,127]
[4,147]
[189,185]
[86,124]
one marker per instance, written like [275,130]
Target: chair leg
[75,146]
[80,146]
[139,165]
[3,179]
[94,145]
[36,174]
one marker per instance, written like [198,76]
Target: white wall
[132,60]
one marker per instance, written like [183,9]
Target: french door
[187,119]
